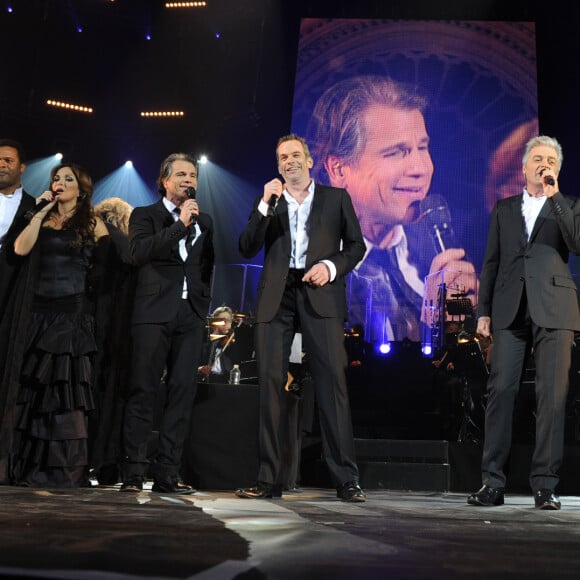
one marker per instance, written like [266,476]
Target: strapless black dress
[56,391]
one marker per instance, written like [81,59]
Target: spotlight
[427,349]
[203,159]
[59,156]
[384,348]
[128,164]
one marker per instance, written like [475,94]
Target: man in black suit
[312,239]
[528,298]
[171,245]
[14,204]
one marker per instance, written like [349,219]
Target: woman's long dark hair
[83,220]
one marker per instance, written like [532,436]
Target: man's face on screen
[394,170]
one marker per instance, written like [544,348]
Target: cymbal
[213,337]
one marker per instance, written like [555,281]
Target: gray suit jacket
[539,265]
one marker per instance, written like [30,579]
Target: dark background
[236,90]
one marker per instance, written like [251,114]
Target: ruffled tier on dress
[56,395]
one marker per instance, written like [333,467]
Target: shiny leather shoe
[132,486]
[171,486]
[546,500]
[487,496]
[260,491]
[351,491]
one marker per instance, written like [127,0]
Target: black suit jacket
[9,261]
[335,235]
[540,265]
[154,244]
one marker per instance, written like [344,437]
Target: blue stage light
[384,348]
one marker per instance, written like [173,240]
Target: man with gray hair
[528,298]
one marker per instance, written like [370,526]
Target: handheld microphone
[435,211]
[548,180]
[191,193]
[39,207]
[272,203]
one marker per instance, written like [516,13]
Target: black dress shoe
[351,491]
[546,500]
[487,496]
[132,486]
[171,486]
[260,491]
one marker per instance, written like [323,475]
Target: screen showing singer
[412,118]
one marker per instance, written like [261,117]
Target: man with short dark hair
[311,239]
[14,204]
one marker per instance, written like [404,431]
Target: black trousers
[176,347]
[553,355]
[323,341]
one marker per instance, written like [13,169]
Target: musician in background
[219,363]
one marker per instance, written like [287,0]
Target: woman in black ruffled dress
[48,396]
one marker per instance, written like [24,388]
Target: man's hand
[484,326]
[188,210]
[459,273]
[274,187]
[203,370]
[318,275]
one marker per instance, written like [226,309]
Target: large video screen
[424,123]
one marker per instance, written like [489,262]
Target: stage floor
[99,533]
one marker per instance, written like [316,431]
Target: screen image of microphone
[434,211]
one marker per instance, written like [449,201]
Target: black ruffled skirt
[56,396]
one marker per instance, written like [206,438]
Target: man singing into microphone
[311,240]
[528,298]
[171,245]
[368,135]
